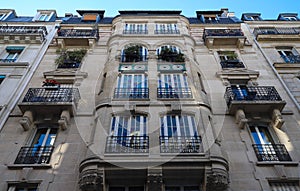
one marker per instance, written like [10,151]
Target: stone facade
[157,101]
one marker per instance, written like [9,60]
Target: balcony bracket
[27,120]
[277,119]
[240,118]
[154,179]
[217,180]
[64,120]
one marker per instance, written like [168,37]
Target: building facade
[150,101]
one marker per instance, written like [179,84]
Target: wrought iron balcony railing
[181,144]
[276,31]
[232,64]
[223,32]
[131,93]
[52,95]
[251,93]
[127,144]
[134,58]
[8,60]
[174,93]
[173,31]
[82,33]
[135,31]
[271,152]
[292,59]
[69,64]
[24,30]
[34,155]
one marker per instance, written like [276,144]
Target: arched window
[134,53]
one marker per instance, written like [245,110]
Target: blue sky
[269,8]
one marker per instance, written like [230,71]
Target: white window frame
[127,125]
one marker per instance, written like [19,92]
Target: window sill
[272,163]
[35,166]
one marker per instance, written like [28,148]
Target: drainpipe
[26,78]
[274,70]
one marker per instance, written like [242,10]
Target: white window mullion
[178,127]
[46,137]
[191,128]
[165,126]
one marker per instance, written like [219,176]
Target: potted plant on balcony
[132,53]
[70,59]
[170,55]
[50,84]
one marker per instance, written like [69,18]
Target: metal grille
[135,31]
[12,30]
[77,33]
[292,59]
[174,31]
[52,95]
[34,155]
[127,144]
[131,93]
[232,64]
[271,152]
[276,31]
[180,144]
[222,32]
[174,93]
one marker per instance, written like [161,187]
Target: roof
[150,12]
[99,12]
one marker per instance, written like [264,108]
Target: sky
[268,8]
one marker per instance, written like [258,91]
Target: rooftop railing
[276,31]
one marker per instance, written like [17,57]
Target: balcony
[282,34]
[69,64]
[22,34]
[224,37]
[174,93]
[173,31]
[291,62]
[77,37]
[131,93]
[191,144]
[271,152]
[232,64]
[127,144]
[253,99]
[135,32]
[34,155]
[50,99]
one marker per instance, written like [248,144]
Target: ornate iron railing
[251,93]
[223,32]
[271,152]
[69,64]
[135,31]
[52,94]
[292,59]
[131,93]
[87,33]
[276,31]
[24,30]
[127,144]
[134,58]
[180,144]
[34,155]
[232,64]
[8,60]
[174,92]
[173,31]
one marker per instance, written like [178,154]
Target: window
[289,54]
[135,28]
[284,186]
[182,188]
[2,77]
[211,18]
[173,86]
[170,28]
[40,149]
[23,187]
[43,17]
[134,53]
[128,134]
[264,146]
[179,134]
[12,53]
[133,86]
[229,59]
[2,16]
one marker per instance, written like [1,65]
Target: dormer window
[43,17]
[210,18]
[90,17]
[291,18]
[2,16]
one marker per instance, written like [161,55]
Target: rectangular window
[23,187]
[2,77]
[135,28]
[229,59]
[128,134]
[179,134]
[289,54]
[170,28]
[285,186]
[12,53]
[182,188]
[2,16]
[173,86]
[132,86]
[43,17]
[40,149]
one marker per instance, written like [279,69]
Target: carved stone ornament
[91,180]
[154,182]
[217,181]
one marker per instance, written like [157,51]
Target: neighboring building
[153,100]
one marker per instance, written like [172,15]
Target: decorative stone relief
[91,180]
[277,119]
[217,181]
[240,118]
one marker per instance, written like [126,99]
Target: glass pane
[137,188]
[172,188]
[191,188]
[116,189]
